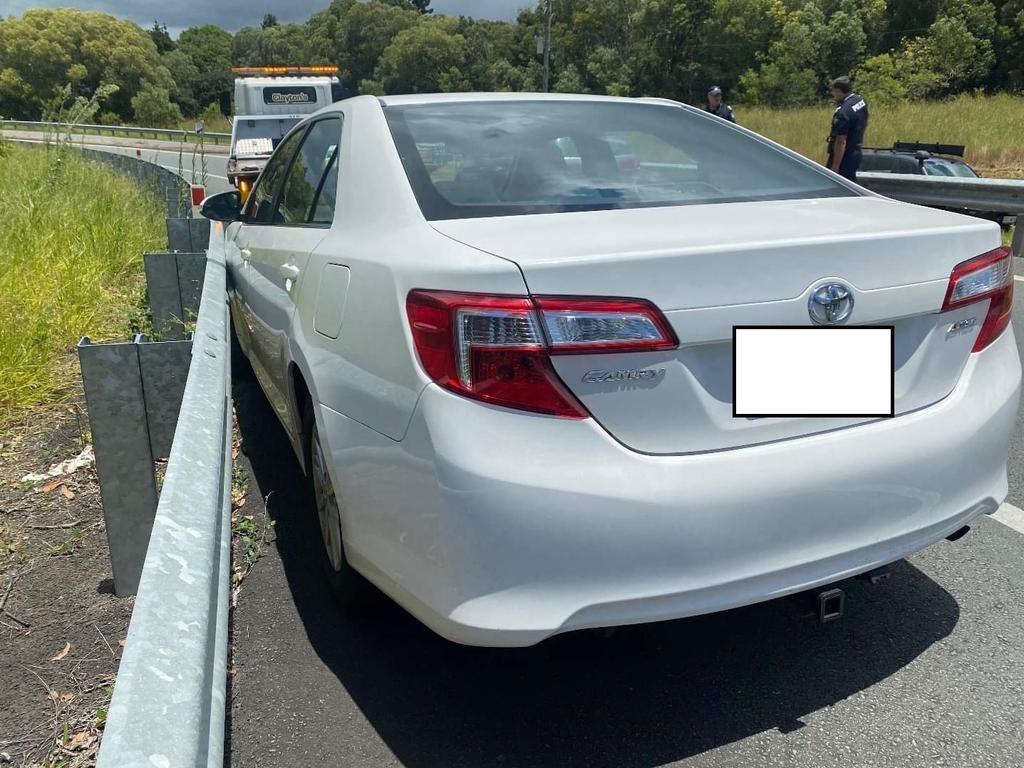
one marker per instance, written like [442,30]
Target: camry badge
[830,304]
[627,374]
[961,326]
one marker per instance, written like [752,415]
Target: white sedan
[505,357]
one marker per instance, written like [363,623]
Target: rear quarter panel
[370,372]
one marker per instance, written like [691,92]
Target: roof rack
[957,150]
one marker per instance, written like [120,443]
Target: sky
[233,14]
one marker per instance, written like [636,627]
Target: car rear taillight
[497,348]
[985,277]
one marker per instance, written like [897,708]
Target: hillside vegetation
[770,52]
[71,249]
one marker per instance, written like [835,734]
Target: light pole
[547,46]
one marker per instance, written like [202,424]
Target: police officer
[716,107]
[849,122]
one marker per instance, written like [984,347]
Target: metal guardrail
[997,196]
[172,134]
[989,195]
[173,190]
[169,699]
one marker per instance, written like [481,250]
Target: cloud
[233,14]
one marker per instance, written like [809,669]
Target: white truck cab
[269,102]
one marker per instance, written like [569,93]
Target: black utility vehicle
[915,157]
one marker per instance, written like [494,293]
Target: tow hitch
[831,603]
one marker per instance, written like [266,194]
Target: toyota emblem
[830,304]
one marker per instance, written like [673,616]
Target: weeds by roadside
[71,249]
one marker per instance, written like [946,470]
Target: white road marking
[1019,277]
[127,151]
[1010,516]
[175,169]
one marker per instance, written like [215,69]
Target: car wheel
[346,584]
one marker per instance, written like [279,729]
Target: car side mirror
[224,206]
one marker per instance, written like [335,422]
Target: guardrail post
[1018,238]
[188,235]
[174,282]
[124,461]
[133,393]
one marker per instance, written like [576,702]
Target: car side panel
[370,372]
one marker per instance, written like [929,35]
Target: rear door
[284,230]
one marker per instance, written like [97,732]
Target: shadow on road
[645,696]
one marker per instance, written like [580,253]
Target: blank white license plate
[807,371]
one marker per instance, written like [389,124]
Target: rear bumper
[499,528]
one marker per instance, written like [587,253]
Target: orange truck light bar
[318,69]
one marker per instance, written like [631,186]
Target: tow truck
[269,102]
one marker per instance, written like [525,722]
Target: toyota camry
[564,362]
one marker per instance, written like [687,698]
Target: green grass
[71,244]
[220,124]
[988,125]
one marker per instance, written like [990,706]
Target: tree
[735,34]
[421,6]
[1009,44]
[791,72]
[45,49]
[246,47]
[269,20]
[354,35]
[208,46]
[959,57]
[908,19]
[210,49]
[161,37]
[186,76]
[153,108]
[845,41]
[286,44]
[423,59]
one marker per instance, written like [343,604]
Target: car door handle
[246,254]
[289,271]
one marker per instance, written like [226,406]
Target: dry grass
[990,127]
[71,249]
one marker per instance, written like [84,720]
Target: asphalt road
[926,669]
[162,153]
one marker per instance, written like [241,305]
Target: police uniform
[723,111]
[850,120]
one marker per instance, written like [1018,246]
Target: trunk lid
[711,267]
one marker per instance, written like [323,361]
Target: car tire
[346,585]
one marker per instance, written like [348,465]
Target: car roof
[445,98]
[912,156]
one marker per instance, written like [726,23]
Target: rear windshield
[502,158]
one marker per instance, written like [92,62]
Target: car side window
[309,192]
[260,209]
[327,196]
